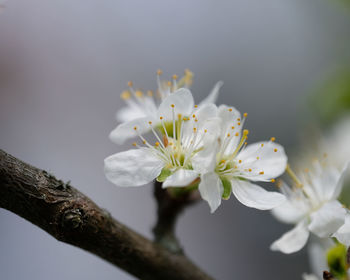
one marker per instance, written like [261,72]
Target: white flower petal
[266,160]
[213,95]
[182,100]
[127,130]
[132,168]
[293,240]
[205,160]
[310,277]
[339,186]
[211,190]
[343,233]
[129,113]
[328,219]
[288,212]
[254,196]
[181,178]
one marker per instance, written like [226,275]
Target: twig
[170,206]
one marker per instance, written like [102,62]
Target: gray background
[63,65]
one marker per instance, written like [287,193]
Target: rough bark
[73,218]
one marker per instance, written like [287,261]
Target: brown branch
[71,217]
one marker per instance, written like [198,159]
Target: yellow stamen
[174,77]
[159,72]
[139,93]
[135,128]
[240,161]
[262,145]
[237,134]
[261,172]
[134,144]
[230,109]
[273,139]
[130,84]
[195,106]
[294,176]
[245,115]
[250,170]
[275,150]
[273,180]
[172,105]
[157,144]
[125,95]
[149,122]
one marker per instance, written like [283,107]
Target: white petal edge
[252,195]
[293,240]
[288,213]
[211,190]
[267,160]
[132,168]
[343,233]
[180,178]
[310,277]
[126,130]
[328,219]
[213,95]
[182,100]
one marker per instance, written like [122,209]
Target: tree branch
[71,217]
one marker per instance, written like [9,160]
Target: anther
[174,77]
[172,105]
[125,95]
[273,139]
[135,128]
[169,83]
[245,132]
[250,170]
[232,127]
[230,109]
[159,72]
[238,123]
[160,118]
[275,150]
[245,115]
[149,122]
[239,119]
[272,180]
[139,93]
[257,157]
[130,84]
[261,172]
[237,134]
[228,134]
[134,144]
[262,145]
[205,131]
[240,161]
[195,106]
[157,144]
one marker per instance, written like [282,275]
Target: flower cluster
[202,146]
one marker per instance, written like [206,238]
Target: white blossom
[142,106]
[311,205]
[228,165]
[172,154]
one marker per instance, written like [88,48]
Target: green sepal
[165,173]
[227,188]
[336,258]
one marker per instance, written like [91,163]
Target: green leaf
[165,173]
[336,258]
[227,188]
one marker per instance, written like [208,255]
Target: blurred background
[63,65]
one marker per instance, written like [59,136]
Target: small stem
[169,207]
